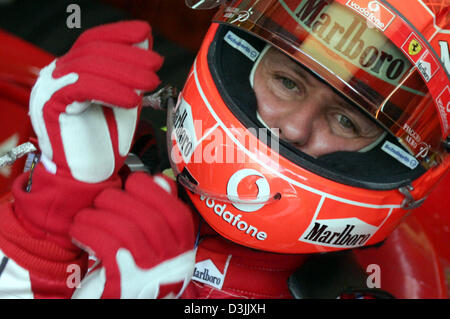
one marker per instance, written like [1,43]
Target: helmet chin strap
[252,78]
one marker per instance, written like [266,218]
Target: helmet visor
[368,53]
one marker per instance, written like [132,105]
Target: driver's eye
[345,122]
[288,83]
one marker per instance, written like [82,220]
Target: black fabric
[150,140]
[233,71]
[372,170]
[373,166]
[43,23]
[331,276]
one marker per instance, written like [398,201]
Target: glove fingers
[154,224]
[92,239]
[128,234]
[130,55]
[146,237]
[128,32]
[106,67]
[145,189]
[91,87]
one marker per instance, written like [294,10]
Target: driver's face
[308,113]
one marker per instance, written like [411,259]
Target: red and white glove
[85,105]
[84,109]
[144,238]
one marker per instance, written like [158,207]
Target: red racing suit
[33,267]
[37,268]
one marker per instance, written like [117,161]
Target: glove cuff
[48,209]
[46,262]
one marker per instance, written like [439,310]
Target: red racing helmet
[390,59]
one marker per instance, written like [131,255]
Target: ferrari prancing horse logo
[414,47]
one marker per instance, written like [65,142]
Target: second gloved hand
[144,238]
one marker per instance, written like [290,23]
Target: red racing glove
[85,105]
[84,108]
[144,238]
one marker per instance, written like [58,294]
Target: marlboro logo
[344,233]
[428,66]
[211,268]
[345,226]
[184,130]
[207,273]
[351,37]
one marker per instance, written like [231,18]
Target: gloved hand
[142,235]
[84,108]
[85,105]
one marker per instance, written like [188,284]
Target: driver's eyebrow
[303,74]
[355,111]
[351,108]
[291,64]
[301,71]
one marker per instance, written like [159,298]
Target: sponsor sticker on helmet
[351,38]
[416,142]
[443,104]
[241,45]
[413,47]
[249,205]
[400,155]
[337,226]
[375,12]
[350,232]
[220,209]
[428,66]
[184,130]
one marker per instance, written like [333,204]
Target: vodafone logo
[375,13]
[243,204]
[443,103]
[373,6]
